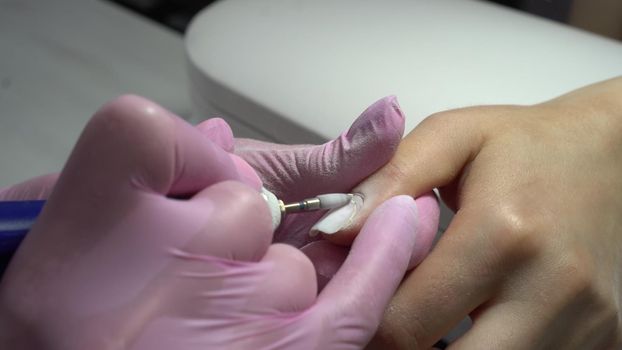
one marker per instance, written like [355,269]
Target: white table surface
[62,59]
[317,64]
[301,71]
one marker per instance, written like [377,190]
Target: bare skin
[534,252]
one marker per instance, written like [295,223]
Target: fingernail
[336,219]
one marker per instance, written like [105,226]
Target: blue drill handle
[16,218]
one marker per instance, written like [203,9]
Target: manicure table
[300,71]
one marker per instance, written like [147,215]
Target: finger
[36,188]
[427,227]
[332,167]
[237,224]
[358,294]
[432,155]
[327,258]
[219,132]
[288,286]
[565,313]
[132,143]
[247,174]
[465,269]
[130,148]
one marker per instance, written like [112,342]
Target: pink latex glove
[118,261]
[295,172]
[40,187]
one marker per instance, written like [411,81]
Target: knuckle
[134,137]
[442,120]
[578,271]
[579,287]
[395,171]
[457,118]
[239,225]
[450,115]
[127,117]
[123,109]
[516,236]
[489,118]
[241,198]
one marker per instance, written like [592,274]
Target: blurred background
[598,16]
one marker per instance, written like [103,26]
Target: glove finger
[327,258]
[289,286]
[133,144]
[37,188]
[213,244]
[427,227]
[130,149]
[360,291]
[218,131]
[294,172]
[237,224]
[368,144]
[246,172]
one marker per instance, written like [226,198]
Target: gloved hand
[146,243]
[295,172]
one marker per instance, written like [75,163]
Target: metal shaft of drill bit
[308,204]
[322,201]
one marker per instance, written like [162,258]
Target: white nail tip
[338,218]
[334,200]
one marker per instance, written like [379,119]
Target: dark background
[176,14]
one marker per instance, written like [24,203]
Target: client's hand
[533,254]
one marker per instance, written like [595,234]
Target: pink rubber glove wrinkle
[295,172]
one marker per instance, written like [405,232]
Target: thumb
[327,258]
[361,289]
[432,155]
[293,172]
